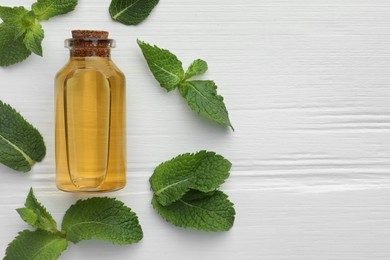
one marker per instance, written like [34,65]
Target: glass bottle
[90,116]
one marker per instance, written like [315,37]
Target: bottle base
[105,187]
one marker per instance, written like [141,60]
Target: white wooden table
[307,84]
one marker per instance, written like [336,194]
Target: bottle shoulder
[105,66]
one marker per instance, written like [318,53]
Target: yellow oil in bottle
[90,123]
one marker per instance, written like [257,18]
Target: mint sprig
[21,32]
[95,218]
[201,95]
[21,145]
[186,195]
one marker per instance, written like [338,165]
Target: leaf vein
[28,159]
[124,10]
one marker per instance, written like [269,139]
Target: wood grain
[307,86]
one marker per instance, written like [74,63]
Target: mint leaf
[131,12]
[18,17]
[199,211]
[198,67]
[34,37]
[36,245]
[164,65]
[203,171]
[28,215]
[202,97]
[101,218]
[12,14]
[46,9]
[12,48]
[36,215]
[21,145]
[9,14]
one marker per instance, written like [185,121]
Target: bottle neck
[90,52]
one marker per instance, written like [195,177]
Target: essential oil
[90,116]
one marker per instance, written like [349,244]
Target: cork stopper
[77,34]
[89,43]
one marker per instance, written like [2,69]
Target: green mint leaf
[21,145]
[19,17]
[12,48]
[46,9]
[131,12]
[198,67]
[164,65]
[202,97]
[199,211]
[12,14]
[33,38]
[28,215]
[101,218]
[203,171]
[36,245]
[36,215]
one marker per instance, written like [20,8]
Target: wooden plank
[307,86]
